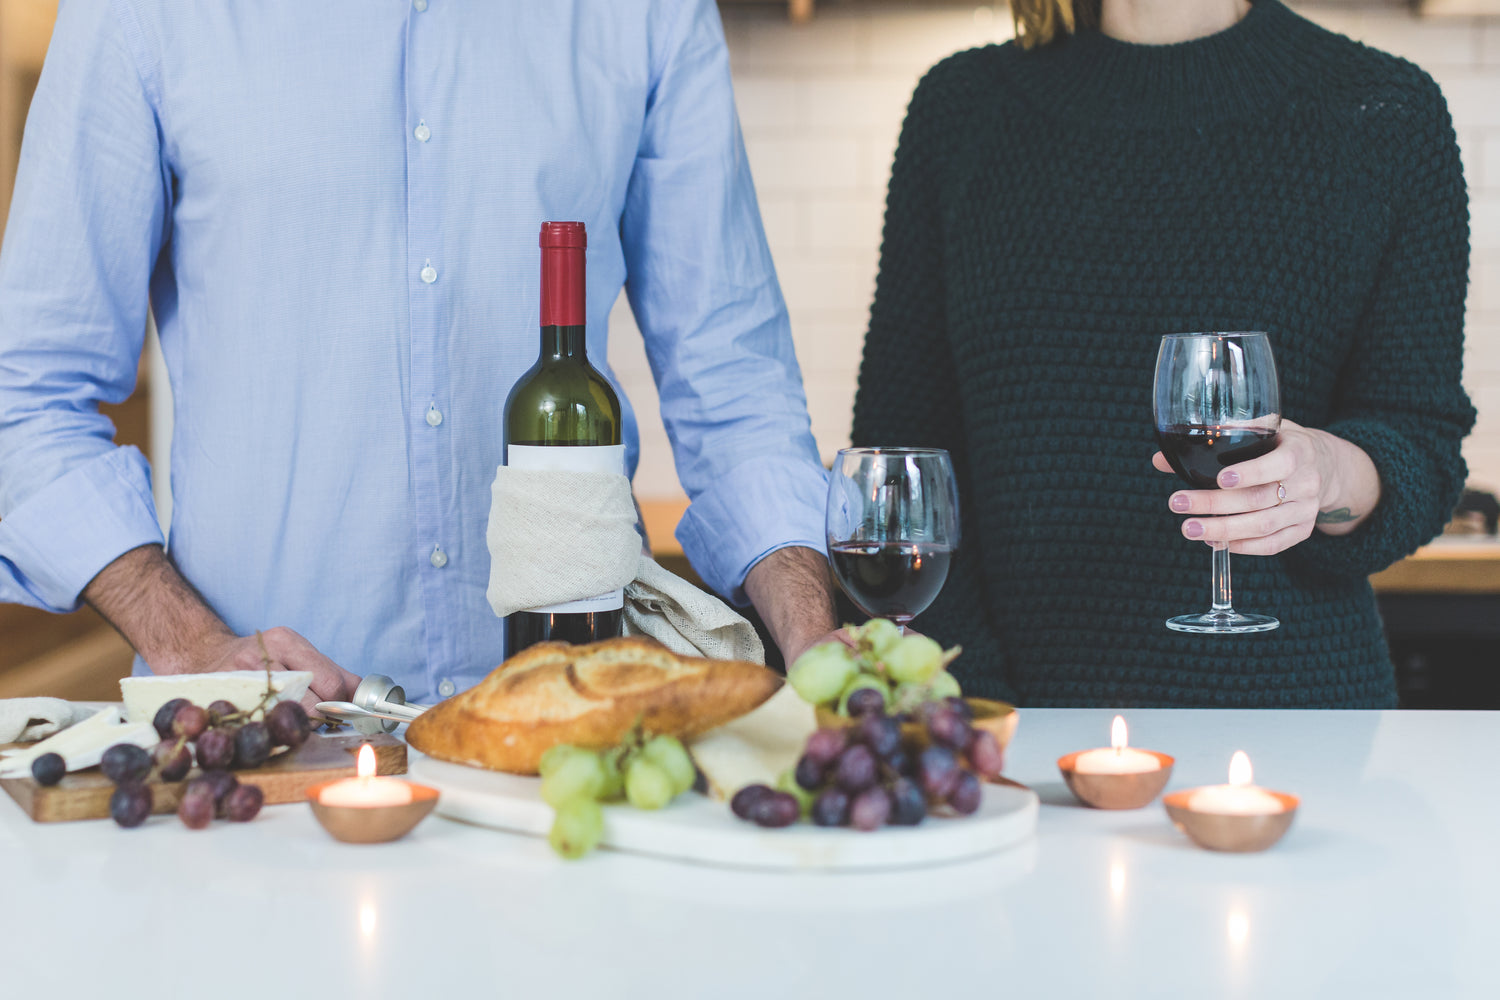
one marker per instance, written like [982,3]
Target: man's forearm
[157,611]
[793,592]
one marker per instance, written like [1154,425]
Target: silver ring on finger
[1280,493]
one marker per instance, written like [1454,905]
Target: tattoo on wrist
[1342,515]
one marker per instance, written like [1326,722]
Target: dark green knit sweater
[1051,214]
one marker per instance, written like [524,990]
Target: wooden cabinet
[25,28]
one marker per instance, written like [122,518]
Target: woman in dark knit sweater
[1054,209]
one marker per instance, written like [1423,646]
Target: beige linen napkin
[25,720]
[559,536]
[685,619]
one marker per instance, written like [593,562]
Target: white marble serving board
[697,829]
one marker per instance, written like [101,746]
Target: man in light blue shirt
[334,207]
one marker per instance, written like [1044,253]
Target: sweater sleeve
[1401,398]
[907,391]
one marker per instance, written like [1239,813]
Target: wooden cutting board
[284,778]
[695,828]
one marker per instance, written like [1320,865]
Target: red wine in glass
[1199,453]
[892,527]
[1217,403]
[895,580]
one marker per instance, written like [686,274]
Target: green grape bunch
[878,664]
[646,771]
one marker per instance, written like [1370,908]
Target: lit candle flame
[1240,774]
[365,766]
[1118,737]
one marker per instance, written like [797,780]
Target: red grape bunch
[221,737]
[868,774]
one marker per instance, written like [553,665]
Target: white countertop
[1388,885]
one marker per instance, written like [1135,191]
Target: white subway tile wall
[821,107]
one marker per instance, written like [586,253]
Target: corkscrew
[379,705]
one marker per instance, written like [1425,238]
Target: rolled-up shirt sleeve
[704,292]
[84,233]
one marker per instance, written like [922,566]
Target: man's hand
[287,651]
[159,613]
[793,591]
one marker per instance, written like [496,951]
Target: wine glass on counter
[892,528]
[1217,403]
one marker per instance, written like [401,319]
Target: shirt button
[439,558]
[446,688]
[421,5]
[434,415]
[422,132]
[429,274]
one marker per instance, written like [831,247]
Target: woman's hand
[1310,480]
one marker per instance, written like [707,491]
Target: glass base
[1223,623]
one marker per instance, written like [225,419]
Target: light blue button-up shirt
[335,208]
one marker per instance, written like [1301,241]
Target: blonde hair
[1039,22]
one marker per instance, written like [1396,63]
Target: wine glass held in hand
[892,528]
[1217,402]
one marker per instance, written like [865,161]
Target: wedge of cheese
[83,745]
[757,747]
[244,688]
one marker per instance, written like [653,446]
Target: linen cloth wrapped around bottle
[557,536]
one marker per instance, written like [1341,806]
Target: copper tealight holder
[372,824]
[1231,832]
[1116,791]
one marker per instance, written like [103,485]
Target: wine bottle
[563,414]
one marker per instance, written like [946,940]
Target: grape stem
[246,714]
[156,768]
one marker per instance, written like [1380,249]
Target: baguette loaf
[588,696]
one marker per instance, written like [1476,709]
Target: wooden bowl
[996,717]
[372,824]
[1224,832]
[1116,791]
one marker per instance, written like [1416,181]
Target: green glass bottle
[563,414]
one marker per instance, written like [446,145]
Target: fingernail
[1229,479]
[1194,529]
[1181,503]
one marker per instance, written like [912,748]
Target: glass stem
[1223,592]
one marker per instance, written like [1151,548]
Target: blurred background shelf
[1441,608]
[1462,564]
[78,656]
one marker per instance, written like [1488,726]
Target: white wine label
[585,458]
